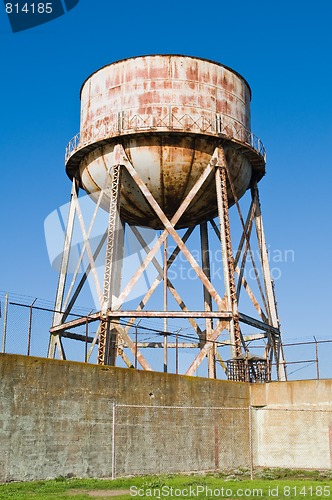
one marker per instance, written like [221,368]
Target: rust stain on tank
[169,112]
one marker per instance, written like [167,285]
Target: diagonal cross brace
[156,282]
[170,285]
[169,229]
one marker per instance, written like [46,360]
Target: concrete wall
[56,418]
[292,424]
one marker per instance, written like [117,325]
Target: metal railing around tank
[127,123]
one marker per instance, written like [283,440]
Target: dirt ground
[100,493]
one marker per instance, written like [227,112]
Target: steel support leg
[107,338]
[269,290]
[207,297]
[227,254]
[55,340]
[165,306]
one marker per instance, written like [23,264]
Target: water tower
[165,142]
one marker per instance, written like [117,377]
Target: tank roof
[167,55]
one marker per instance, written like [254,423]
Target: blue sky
[283,49]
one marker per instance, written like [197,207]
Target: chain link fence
[25,323]
[243,441]
[293,436]
[134,440]
[161,439]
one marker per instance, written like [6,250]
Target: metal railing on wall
[26,321]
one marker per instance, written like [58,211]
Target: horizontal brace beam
[225,315]
[76,336]
[256,336]
[170,314]
[170,345]
[248,320]
[75,322]
[152,345]
[246,338]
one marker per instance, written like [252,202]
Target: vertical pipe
[4,331]
[113,441]
[165,306]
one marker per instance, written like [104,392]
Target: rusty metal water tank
[169,112]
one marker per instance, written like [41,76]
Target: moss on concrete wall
[56,418]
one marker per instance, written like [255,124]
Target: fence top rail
[227,408]
[307,342]
[165,407]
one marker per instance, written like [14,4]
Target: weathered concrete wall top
[44,379]
[294,393]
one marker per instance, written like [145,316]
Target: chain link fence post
[30,326]
[113,439]
[4,332]
[251,450]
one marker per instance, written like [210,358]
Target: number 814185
[29,8]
